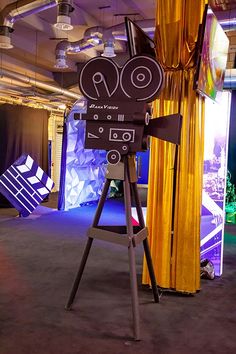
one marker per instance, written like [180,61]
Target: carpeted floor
[39,257]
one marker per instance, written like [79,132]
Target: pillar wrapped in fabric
[175,180]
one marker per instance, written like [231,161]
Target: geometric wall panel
[25,184]
[83,169]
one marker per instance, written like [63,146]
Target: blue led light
[25,184]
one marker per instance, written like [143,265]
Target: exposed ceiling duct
[65,47]
[37,83]
[94,36]
[37,40]
[23,8]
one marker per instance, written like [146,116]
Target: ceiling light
[65,7]
[63,23]
[5,42]
[109,51]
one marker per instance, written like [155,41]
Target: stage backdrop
[22,130]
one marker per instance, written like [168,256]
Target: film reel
[99,78]
[142,78]
[113,157]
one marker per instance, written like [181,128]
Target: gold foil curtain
[175,245]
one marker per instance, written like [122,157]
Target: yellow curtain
[175,241]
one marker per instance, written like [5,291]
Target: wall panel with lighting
[83,170]
[214,179]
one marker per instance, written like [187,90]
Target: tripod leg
[155,291]
[88,245]
[134,291]
[101,202]
[132,263]
[79,274]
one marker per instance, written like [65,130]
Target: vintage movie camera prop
[118,121]
[118,114]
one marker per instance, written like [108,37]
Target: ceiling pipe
[40,84]
[65,47]
[92,37]
[23,8]
[16,11]
[95,36]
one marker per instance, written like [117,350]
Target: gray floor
[39,257]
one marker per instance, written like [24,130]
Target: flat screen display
[213,57]
[138,41]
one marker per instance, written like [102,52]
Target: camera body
[117,103]
[116,126]
[118,114]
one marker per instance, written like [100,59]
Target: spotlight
[5,42]
[63,15]
[108,49]
[63,23]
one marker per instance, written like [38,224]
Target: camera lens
[126,136]
[113,157]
